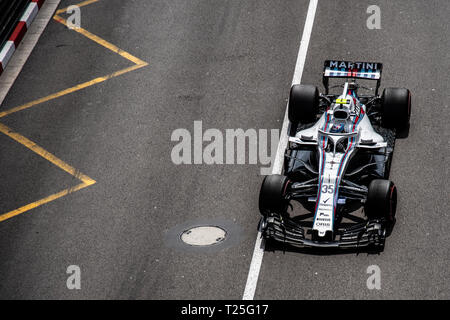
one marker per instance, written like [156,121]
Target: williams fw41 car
[335,189]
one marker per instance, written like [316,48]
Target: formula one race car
[337,163]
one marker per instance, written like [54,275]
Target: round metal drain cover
[203,236]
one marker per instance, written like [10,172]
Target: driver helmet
[337,128]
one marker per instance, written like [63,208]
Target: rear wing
[354,70]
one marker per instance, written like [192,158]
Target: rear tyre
[381,200]
[396,108]
[303,104]
[271,195]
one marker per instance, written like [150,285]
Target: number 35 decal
[328,188]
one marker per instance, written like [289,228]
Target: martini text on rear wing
[349,69]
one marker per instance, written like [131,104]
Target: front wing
[369,233]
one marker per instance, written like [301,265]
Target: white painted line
[23,51]
[258,253]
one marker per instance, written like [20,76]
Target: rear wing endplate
[354,70]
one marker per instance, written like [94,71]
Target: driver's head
[337,127]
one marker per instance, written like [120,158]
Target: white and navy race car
[334,190]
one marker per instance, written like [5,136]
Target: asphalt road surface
[228,64]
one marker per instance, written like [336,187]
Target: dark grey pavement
[229,64]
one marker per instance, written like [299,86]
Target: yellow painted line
[102,42]
[45,200]
[81,4]
[86,181]
[70,90]
[138,64]
[45,154]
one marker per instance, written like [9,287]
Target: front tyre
[381,200]
[272,195]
